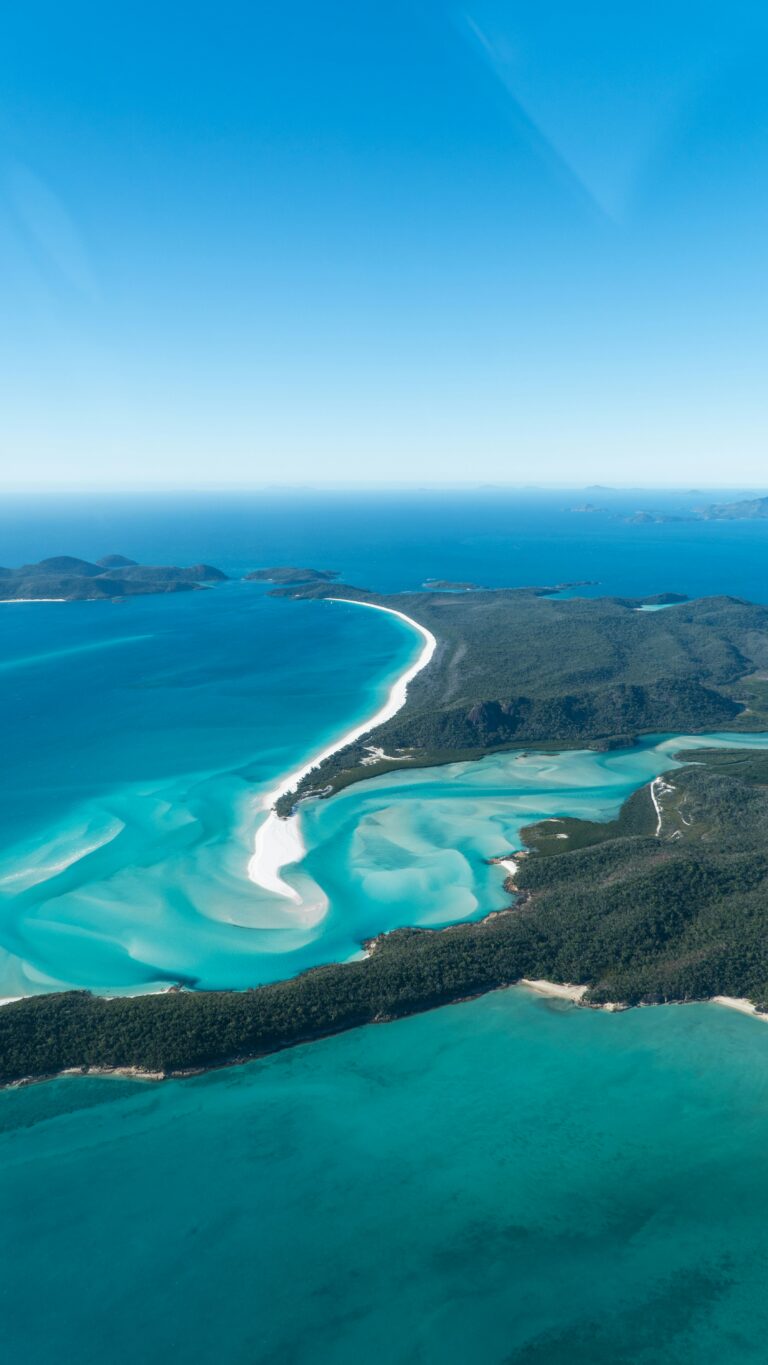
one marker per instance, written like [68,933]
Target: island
[450,585]
[289,574]
[745,509]
[748,509]
[65,578]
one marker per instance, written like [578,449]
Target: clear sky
[383,240]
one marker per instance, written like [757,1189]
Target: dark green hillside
[517,667]
[65,578]
[290,573]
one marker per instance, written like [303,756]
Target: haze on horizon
[416,243]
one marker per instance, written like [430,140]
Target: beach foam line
[279,841]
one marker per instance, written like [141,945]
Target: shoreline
[740,1004]
[278,842]
[553,990]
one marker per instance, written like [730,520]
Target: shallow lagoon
[149,886]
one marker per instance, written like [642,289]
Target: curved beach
[279,841]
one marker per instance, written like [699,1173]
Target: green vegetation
[635,917]
[552,837]
[518,667]
[289,573]
[69,579]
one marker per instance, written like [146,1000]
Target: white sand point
[279,842]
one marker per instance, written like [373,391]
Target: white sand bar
[279,841]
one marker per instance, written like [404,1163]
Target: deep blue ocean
[502,1181]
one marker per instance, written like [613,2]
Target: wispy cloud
[49,229]
[500,56]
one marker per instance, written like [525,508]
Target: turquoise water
[511,1181]
[136,886]
[133,773]
[138,738]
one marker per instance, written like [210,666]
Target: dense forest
[637,917]
[517,667]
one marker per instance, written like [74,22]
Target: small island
[65,578]
[287,574]
[746,509]
[450,585]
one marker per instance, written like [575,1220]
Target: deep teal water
[510,1180]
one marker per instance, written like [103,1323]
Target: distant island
[748,509]
[289,574]
[449,585]
[64,578]
[460,585]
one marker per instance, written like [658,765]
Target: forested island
[634,911]
[290,573]
[520,666]
[65,578]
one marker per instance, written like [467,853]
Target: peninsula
[515,667]
[65,578]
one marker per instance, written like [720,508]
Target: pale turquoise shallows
[148,884]
[507,1182]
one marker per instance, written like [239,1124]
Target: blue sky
[371,242]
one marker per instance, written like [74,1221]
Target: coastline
[278,842]
[740,1004]
[553,990]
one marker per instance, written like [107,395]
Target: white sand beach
[509,865]
[279,841]
[734,1002]
[555,990]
